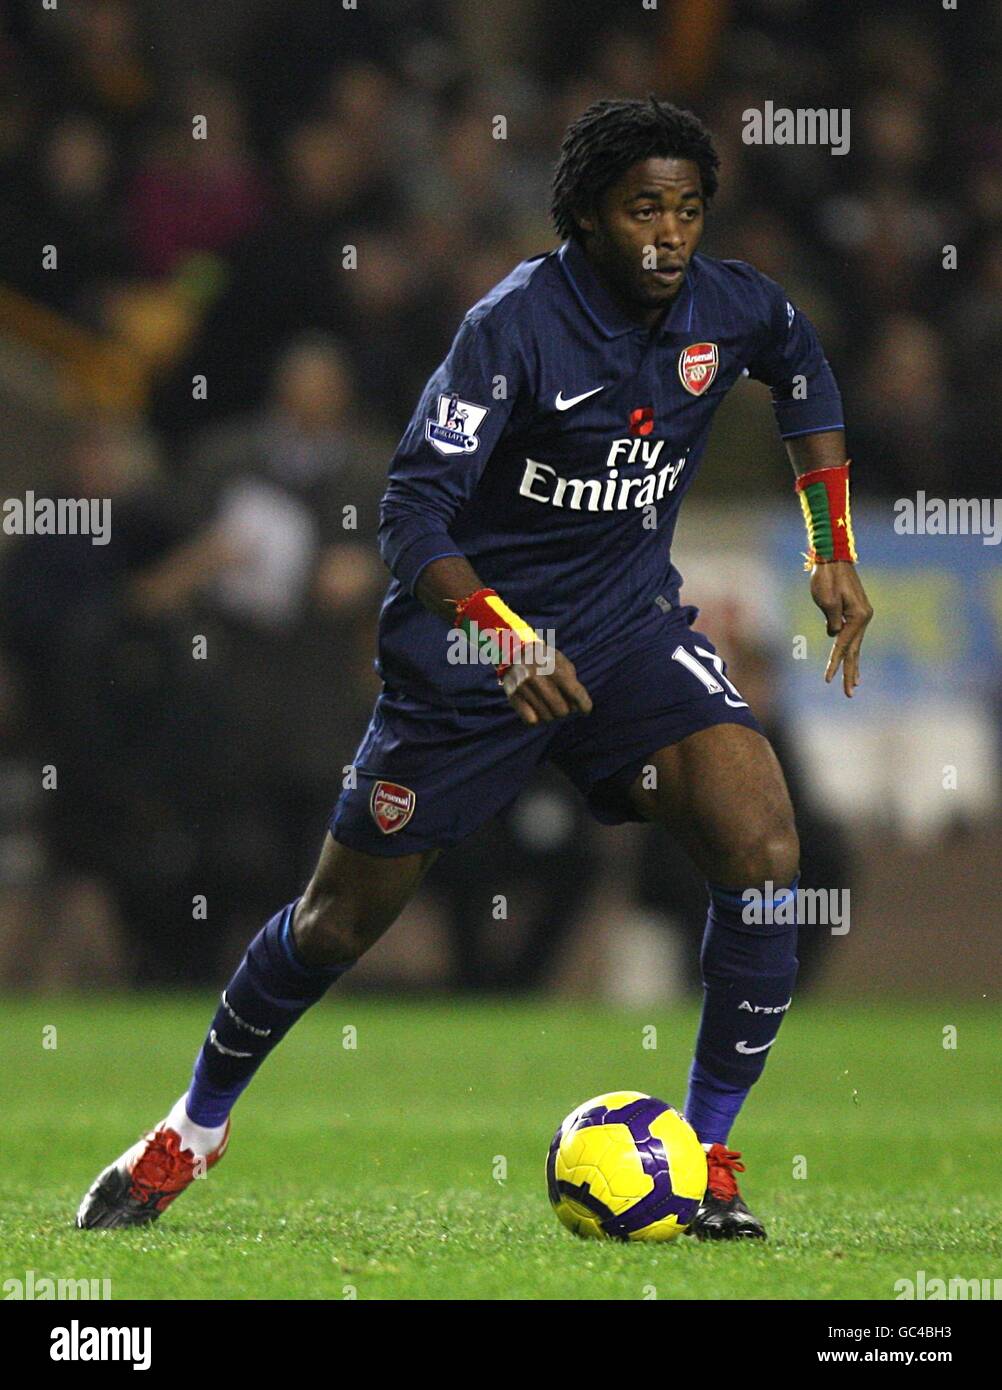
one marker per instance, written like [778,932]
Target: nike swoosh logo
[742,1046]
[561,404]
[226,1051]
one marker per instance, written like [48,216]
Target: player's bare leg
[351,900]
[722,793]
[349,903]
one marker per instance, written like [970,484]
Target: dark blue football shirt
[555,443]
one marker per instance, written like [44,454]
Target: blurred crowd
[285,286]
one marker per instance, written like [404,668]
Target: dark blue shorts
[427,776]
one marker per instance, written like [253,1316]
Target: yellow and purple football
[625,1166]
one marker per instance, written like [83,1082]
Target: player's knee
[335,925]
[775,857]
[768,852]
[350,901]
[327,929]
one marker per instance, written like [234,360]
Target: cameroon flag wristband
[493,628]
[824,500]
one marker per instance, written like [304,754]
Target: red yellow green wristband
[824,500]
[492,626]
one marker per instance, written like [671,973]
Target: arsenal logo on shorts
[697,366]
[391,806]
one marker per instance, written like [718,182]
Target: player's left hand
[540,696]
[838,592]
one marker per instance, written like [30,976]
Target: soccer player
[534,615]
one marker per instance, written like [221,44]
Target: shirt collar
[599,304]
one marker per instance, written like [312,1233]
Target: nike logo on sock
[561,404]
[226,1051]
[742,1046]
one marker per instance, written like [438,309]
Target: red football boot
[722,1213]
[142,1183]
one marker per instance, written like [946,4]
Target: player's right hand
[540,696]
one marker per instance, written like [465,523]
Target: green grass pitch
[373,1172]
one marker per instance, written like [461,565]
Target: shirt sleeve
[458,421]
[790,360]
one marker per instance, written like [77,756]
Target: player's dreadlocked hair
[611,136]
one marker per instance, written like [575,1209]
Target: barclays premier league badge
[454,430]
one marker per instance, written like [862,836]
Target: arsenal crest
[391,806]
[697,366]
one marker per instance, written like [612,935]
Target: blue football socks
[271,990]
[749,970]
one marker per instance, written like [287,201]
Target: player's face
[645,231]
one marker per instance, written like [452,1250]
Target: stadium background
[229,259]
